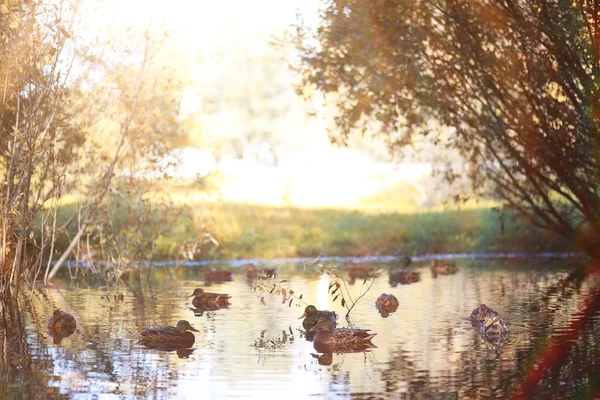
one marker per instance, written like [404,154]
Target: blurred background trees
[515,81]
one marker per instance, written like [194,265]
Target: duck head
[309,311]
[198,292]
[183,326]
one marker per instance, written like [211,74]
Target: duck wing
[164,330]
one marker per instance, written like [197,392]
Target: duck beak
[193,329]
[191,295]
[488,322]
[302,316]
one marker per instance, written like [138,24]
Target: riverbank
[240,230]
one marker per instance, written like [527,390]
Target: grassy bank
[258,231]
[248,231]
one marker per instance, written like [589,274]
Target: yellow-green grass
[259,231]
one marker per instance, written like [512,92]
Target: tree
[72,118]
[36,140]
[516,80]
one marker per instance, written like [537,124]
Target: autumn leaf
[335,298]
[343,302]
[262,301]
[64,32]
[290,302]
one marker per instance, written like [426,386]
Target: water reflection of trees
[18,368]
[483,371]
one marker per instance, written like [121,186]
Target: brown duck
[252,272]
[480,314]
[386,304]
[61,325]
[493,326]
[217,275]
[441,268]
[341,340]
[201,297]
[362,271]
[387,301]
[403,277]
[169,336]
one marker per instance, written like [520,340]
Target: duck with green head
[169,335]
[341,340]
[312,316]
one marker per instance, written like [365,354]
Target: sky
[198,31]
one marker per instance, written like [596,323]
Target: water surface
[426,349]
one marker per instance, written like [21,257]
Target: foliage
[37,140]
[515,80]
[64,131]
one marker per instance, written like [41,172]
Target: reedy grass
[244,230]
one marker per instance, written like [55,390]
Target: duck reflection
[323,359]
[206,308]
[181,351]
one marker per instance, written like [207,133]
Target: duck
[405,261]
[387,301]
[217,275]
[169,336]
[201,297]
[403,277]
[480,315]
[312,316]
[252,272]
[440,268]
[340,340]
[386,304]
[61,325]
[493,326]
[362,271]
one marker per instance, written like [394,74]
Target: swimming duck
[169,336]
[493,326]
[480,314]
[252,272]
[312,316]
[340,339]
[217,275]
[61,325]
[387,301]
[362,271]
[403,277]
[405,261]
[201,297]
[440,268]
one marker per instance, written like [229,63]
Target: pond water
[425,349]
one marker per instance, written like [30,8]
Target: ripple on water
[426,348]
